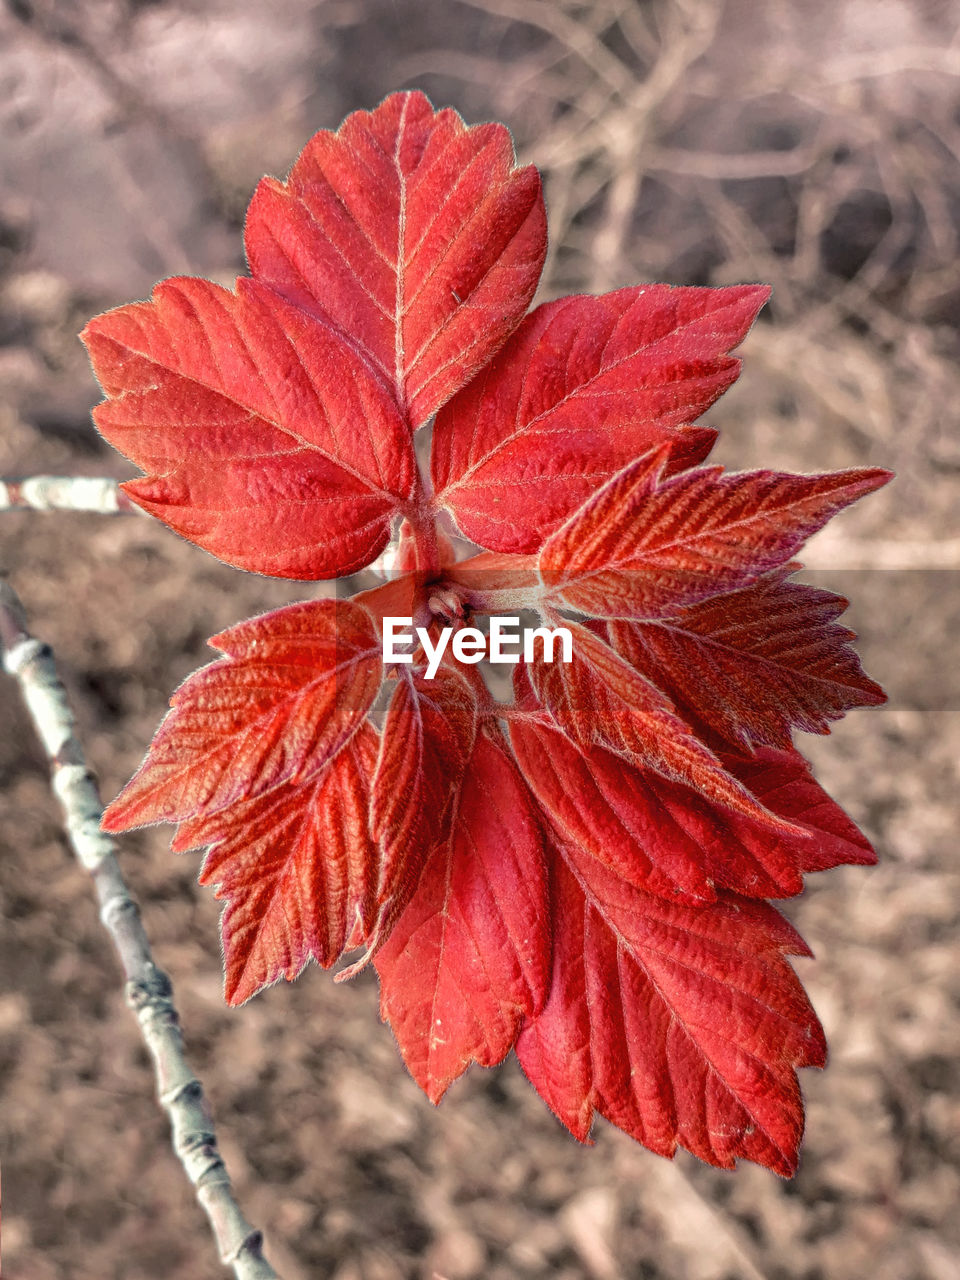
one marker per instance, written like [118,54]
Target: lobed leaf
[297,867]
[755,663]
[597,698]
[470,955]
[428,738]
[782,780]
[267,438]
[648,543]
[585,386]
[417,237]
[596,897]
[672,840]
[292,691]
[682,1025]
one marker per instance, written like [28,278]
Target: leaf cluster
[582,873]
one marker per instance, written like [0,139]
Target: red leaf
[604,803]
[598,699]
[428,737]
[297,866]
[646,977]
[270,441]
[680,1024]
[585,386]
[470,956]
[671,840]
[754,663]
[783,782]
[646,544]
[294,688]
[416,236]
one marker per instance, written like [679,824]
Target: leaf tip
[120,815]
[240,984]
[879,476]
[112,821]
[234,995]
[142,491]
[758,293]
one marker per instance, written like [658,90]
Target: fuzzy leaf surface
[682,1025]
[417,237]
[669,839]
[598,698]
[470,956]
[648,543]
[297,866]
[585,385]
[293,688]
[428,738]
[593,889]
[756,663]
[267,439]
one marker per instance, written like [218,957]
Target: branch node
[18,657]
[189,1091]
[112,911]
[252,1244]
[153,989]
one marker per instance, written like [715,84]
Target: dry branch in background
[148,989]
[785,154]
[670,152]
[99,494]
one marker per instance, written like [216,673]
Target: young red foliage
[599,698]
[268,441]
[769,657]
[585,386]
[683,1026]
[428,737]
[590,888]
[645,543]
[415,236]
[470,956]
[297,868]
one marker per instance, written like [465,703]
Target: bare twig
[837,551]
[689,36]
[65,493]
[148,989]
[567,31]
[891,62]
[716,166]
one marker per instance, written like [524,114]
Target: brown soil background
[813,146]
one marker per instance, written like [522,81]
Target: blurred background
[809,144]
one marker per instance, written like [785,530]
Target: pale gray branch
[148,989]
[65,493]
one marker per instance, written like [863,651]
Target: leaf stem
[418,548]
